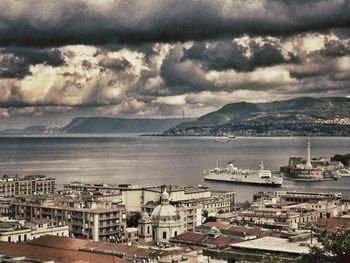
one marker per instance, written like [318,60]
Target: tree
[335,247]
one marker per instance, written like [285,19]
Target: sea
[153,160]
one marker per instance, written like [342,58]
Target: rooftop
[332,224]
[65,251]
[205,239]
[273,244]
[217,224]
[59,242]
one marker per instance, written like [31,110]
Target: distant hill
[299,116]
[119,125]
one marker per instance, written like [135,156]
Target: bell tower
[145,228]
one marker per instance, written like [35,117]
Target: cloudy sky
[61,59]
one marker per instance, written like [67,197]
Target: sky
[64,59]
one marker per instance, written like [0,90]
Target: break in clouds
[153,58]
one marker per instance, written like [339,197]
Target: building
[88,218]
[284,209]
[192,203]
[276,217]
[190,214]
[317,168]
[165,220]
[22,231]
[294,196]
[68,250]
[85,187]
[258,250]
[145,231]
[28,185]
[211,202]
[53,249]
[213,238]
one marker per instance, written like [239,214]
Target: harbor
[320,168]
[163,159]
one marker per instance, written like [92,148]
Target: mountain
[299,116]
[119,125]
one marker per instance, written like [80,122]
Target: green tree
[335,247]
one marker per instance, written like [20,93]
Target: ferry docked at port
[246,176]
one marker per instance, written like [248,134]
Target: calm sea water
[161,160]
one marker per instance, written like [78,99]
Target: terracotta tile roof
[204,239]
[129,250]
[125,250]
[332,224]
[58,255]
[217,224]
[66,243]
[222,240]
[248,230]
[191,236]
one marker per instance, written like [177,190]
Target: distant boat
[236,175]
[226,138]
[223,139]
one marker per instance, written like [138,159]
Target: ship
[246,176]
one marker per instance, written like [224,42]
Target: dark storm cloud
[55,23]
[225,55]
[115,64]
[269,55]
[182,76]
[336,48]
[15,62]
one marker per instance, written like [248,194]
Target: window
[148,229]
[164,235]
[175,234]
[25,237]
[9,239]
[142,230]
[19,238]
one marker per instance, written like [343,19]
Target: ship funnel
[261,165]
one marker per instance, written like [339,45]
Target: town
[165,223]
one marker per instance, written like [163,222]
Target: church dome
[164,211]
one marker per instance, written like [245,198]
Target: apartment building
[22,231]
[276,217]
[87,218]
[11,186]
[294,196]
[211,202]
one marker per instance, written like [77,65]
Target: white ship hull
[245,179]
